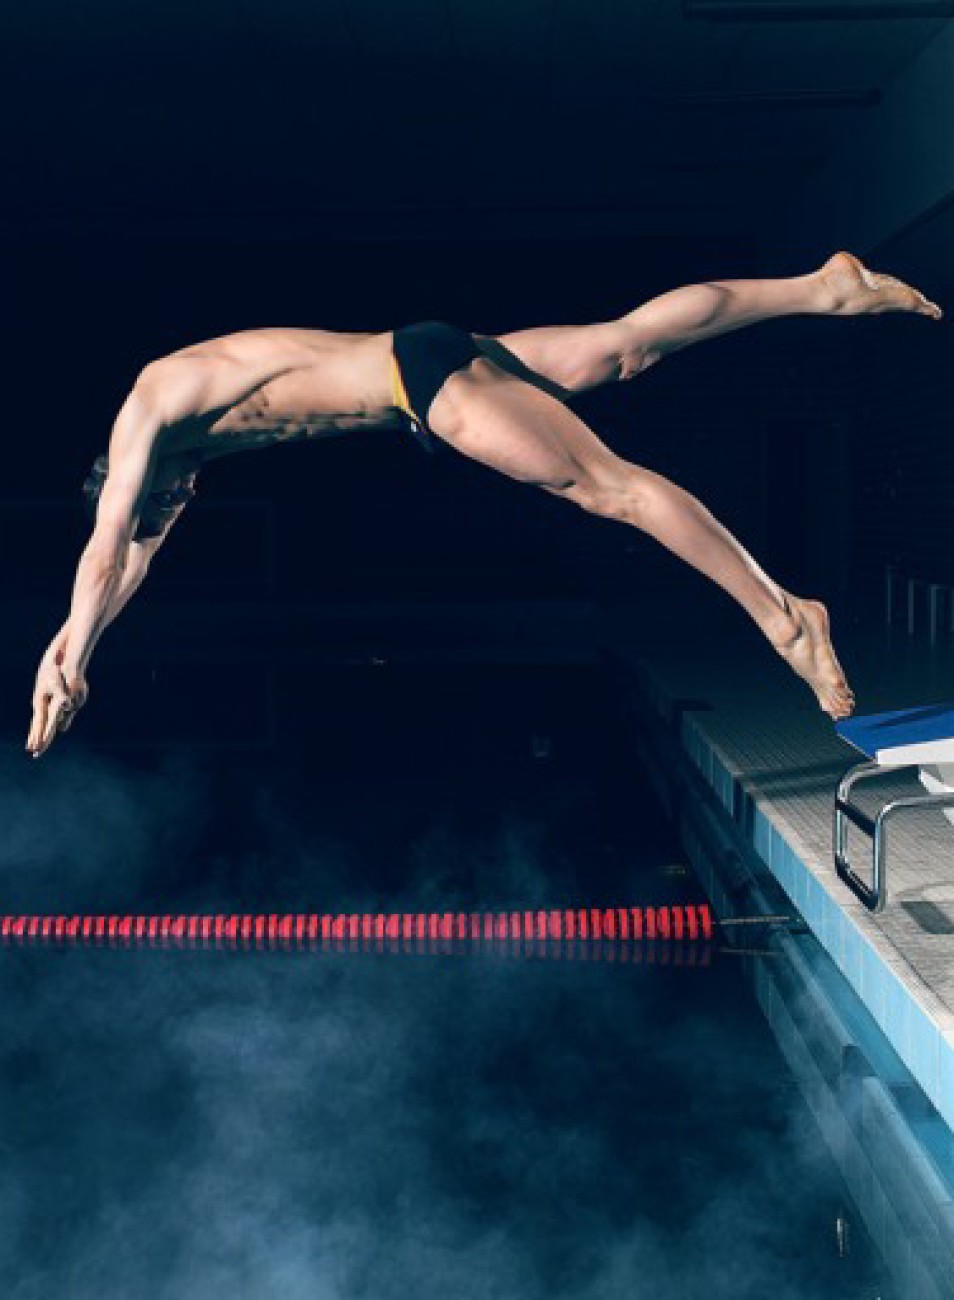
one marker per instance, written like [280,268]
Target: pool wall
[914,1020]
[893,1147]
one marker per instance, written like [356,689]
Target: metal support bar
[935,590]
[937,593]
[875,895]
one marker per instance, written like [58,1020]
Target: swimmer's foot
[852,290]
[806,647]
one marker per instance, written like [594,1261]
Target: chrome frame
[875,896]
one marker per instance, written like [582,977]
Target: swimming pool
[473,1123]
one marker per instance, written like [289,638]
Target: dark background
[362,678]
[176,171]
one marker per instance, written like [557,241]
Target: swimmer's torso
[293,384]
[287,385]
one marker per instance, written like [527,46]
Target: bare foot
[809,651]
[857,291]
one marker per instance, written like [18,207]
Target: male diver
[499,400]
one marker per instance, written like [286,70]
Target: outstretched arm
[54,707]
[133,453]
[112,564]
[166,393]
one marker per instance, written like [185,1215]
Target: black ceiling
[392,118]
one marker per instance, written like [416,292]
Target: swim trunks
[424,355]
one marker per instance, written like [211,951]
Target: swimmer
[498,400]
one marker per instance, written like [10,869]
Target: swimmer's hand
[56,701]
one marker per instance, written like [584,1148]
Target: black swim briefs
[426,354]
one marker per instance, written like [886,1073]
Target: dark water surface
[202,1124]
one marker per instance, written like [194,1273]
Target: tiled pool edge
[909,1014]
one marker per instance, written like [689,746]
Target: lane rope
[679,923]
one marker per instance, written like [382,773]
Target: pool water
[474,1124]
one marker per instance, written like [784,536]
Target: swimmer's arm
[167,392]
[138,558]
[54,706]
[100,573]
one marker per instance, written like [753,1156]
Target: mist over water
[81,832]
[179,1125]
[196,1124]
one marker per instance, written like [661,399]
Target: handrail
[875,895]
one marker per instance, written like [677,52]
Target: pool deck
[773,760]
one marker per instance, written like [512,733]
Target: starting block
[921,738]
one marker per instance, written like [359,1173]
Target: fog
[193,1124]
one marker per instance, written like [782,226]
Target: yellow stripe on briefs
[398,393]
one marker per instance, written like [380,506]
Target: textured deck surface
[774,759]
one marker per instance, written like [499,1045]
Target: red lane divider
[306,929]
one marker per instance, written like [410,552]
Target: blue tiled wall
[916,1038]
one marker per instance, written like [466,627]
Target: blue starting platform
[900,736]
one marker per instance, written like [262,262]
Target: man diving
[498,400]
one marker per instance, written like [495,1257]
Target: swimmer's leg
[579,357]
[843,286]
[524,433]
